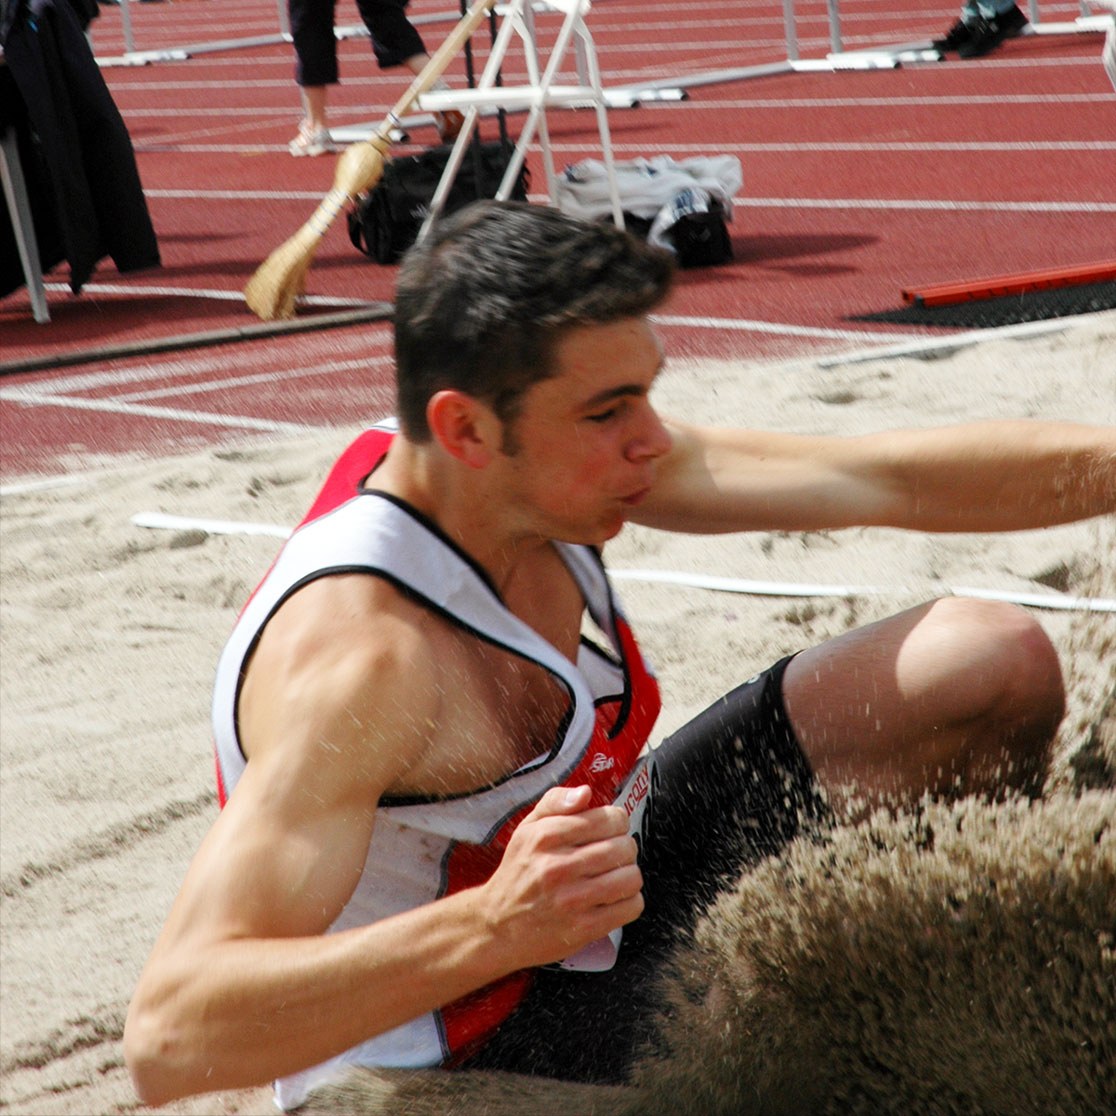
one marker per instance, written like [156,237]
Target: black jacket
[86,197]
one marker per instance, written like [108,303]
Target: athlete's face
[583,448]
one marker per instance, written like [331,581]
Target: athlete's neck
[462,502]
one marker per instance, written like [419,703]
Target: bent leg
[953,697]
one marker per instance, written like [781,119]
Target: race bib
[635,796]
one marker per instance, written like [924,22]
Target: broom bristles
[281,278]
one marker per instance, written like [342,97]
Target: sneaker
[959,34]
[987,34]
[449,124]
[311,141]
[1012,22]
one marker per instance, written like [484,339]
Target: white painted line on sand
[163,521]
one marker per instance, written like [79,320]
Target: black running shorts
[730,788]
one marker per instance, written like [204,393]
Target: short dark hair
[483,300]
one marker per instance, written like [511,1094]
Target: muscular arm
[989,476]
[243,984]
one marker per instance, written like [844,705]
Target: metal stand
[540,92]
[19,207]
[133,57]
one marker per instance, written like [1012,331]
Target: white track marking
[855,146]
[781,329]
[201,387]
[160,522]
[43,484]
[912,204]
[166,522]
[946,343]
[203,418]
[201,292]
[928,204]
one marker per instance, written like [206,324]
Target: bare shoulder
[339,672]
[321,721]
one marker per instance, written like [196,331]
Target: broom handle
[440,59]
[349,182]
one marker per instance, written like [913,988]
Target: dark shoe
[1011,22]
[959,34]
[987,34]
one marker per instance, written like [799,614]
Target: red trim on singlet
[349,472]
[222,794]
[609,759]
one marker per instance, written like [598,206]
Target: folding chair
[540,92]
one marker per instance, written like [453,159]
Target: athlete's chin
[595,534]
[610,529]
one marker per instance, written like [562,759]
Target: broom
[280,279]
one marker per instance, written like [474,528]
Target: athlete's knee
[1020,672]
[1018,693]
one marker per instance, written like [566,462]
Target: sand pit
[111,631]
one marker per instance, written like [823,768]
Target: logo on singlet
[601,762]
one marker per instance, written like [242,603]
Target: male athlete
[429,759]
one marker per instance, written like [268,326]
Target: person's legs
[314,101]
[954,697]
[314,41]
[395,41]
[315,46]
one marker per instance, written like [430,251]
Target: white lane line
[887,146]
[929,100]
[819,147]
[203,418]
[201,387]
[929,204]
[914,204]
[235,195]
[781,329]
[165,371]
[200,292]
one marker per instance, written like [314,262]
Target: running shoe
[958,34]
[311,141]
[987,34]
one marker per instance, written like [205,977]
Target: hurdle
[133,56]
[886,57]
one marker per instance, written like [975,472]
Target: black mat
[1034,306]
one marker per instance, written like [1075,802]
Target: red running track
[857,184]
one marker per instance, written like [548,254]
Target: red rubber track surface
[857,184]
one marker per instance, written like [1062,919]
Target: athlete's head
[482,301]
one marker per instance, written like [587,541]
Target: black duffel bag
[385,222]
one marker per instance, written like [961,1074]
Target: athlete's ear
[464,427]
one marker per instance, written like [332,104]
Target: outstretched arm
[986,476]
